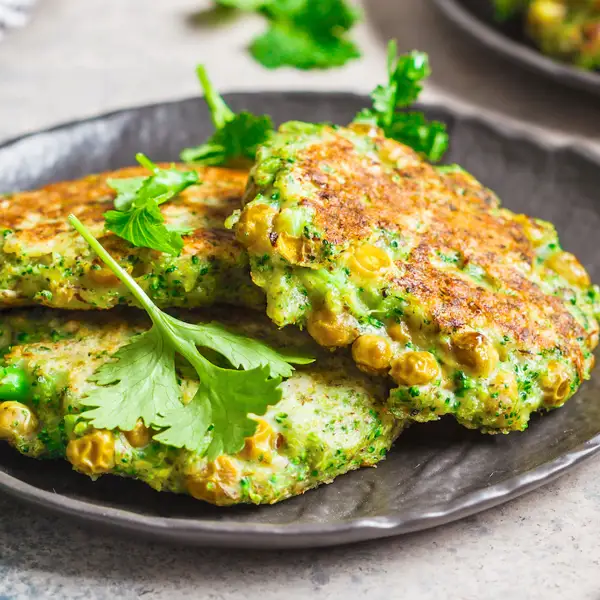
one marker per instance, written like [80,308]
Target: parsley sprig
[137,217]
[305,34]
[237,136]
[406,74]
[141,381]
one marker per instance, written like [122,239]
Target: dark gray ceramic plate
[436,473]
[475,17]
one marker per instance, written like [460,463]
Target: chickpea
[399,332]
[139,436]
[372,354]
[567,266]
[556,384]
[330,330]
[212,482]
[260,445]
[476,352]
[93,453]
[415,368]
[16,420]
[254,227]
[370,261]
[103,276]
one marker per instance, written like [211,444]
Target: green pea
[14,384]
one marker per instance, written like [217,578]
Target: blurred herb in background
[305,34]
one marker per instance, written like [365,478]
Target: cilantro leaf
[305,34]
[144,227]
[237,136]
[212,411]
[142,385]
[428,138]
[242,351]
[141,381]
[126,190]
[137,217]
[286,45]
[248,5]
[406,74]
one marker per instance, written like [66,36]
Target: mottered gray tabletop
[77,59]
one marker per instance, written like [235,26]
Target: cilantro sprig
[305,34]
[406,74]
[141,380]
[137,217]
[237,136]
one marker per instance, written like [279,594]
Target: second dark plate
[476,18]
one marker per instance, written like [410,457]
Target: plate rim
[217,533]
[518,53]
[312,535]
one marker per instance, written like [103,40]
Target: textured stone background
[82,58]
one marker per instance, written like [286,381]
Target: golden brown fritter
[331,419]
[43,260]
[473,310]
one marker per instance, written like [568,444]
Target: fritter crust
[364,235]
[43,260]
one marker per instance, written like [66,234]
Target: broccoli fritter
[44,261]
[473,310]
[332,418]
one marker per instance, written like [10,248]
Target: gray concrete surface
[82,58]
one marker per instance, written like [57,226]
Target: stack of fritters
[426,297]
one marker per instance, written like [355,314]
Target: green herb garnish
[141,381]
[238,136]
[305,34]
[137,217]
[406,74]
